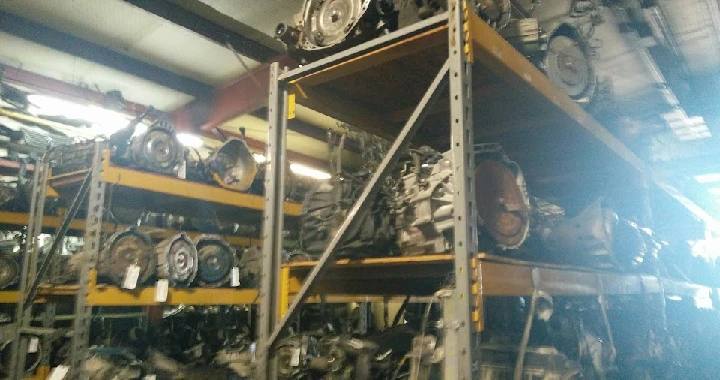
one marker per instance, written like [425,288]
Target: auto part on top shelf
[423,202]
[156,149]
[233,165]
[123,249]
[177,260]
[554,34]
[324,209]
[216,259]
[324,27]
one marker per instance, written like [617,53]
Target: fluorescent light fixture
[708,178]
[307,171]
[259,158]
[714,191]
[190,140]
[102,120]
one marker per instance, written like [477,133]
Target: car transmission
[324,209]
[155,149]
[177,260]
[122,250]
[423,204]
[216,259]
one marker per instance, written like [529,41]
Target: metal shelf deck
[18,219]
[110,295]
[375,86]
[449,82]
[162,193]
[501,277]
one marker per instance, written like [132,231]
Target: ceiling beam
[62,89]
[216,26]
[247,94]
[66,43]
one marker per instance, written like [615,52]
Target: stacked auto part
[424,208]
[124,249]
[216,260]
[157,149]
[326,205]
[232,166]
[9,259]
[177,260]
[555,34]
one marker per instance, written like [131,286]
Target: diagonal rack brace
[57,241]
[371,188]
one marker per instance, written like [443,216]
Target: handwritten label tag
[33,345]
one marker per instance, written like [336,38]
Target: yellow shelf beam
[52,221]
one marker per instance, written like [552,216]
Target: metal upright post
[93,229]
[23,316]
[273,221]
[459,352]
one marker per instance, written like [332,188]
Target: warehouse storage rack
[103,182]
[455,73]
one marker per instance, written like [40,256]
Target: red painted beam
[62,89]
[244,95]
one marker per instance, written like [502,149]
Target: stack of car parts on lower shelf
[131,258]
[188,343]
[510,222]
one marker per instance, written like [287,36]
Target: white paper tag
[235,277]
[295,360]
[33,345]
[161,290]
[149,377]
[131,277]
[59,372]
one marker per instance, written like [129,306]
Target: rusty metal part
[502,202]
[122,249]
[177,260]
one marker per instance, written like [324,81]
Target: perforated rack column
[459,350]
[23,316]
[93,229]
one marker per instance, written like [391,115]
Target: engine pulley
[177,260]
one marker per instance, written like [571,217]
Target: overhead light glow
[190,140]
[307,171]
[102,120]
[259,158]
[708,178]
[714,191]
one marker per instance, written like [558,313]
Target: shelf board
[107,295]
[19,219]
[164,193]
[423,275]
[375,86]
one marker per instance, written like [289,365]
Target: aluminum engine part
[122,249]
[324,209]
[9,271]
[424,201]
[250,264]
[327,26]
[233,165]
[157,149]
[177,260]
[216,258]
[567,64]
